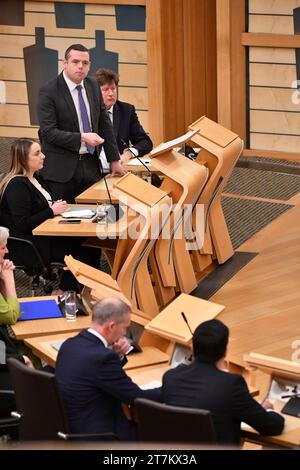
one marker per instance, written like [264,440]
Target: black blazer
[128,129]
[93,385]
[22,208]
[225,395]
[59,128]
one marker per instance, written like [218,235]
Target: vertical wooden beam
[194,59]
[231,65]
[223,62]
[238,69]
[181,64]
[155,70]
[210,60]
[174,49]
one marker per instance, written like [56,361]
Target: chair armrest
[7,392]
[103,436]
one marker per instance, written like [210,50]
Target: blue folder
[39,309]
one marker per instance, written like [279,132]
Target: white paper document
[56,345]
[79,213]
[152,384]
[173,143]
[136,162]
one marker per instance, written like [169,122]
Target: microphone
[113,211]
[105,182]
[295,395]
[155,180]
[185,319]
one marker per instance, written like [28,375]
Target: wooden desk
[98,192]
[135,166]
[41,346]
[47,326]
[52,227]
[136,368]
[282,348]
[289,438]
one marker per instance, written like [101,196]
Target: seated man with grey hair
[90,375]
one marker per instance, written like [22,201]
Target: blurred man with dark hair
[205,384]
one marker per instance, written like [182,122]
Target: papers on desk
[172,143]
[79,214]
[136,162]
[39,309]
[152,384]
[56,345]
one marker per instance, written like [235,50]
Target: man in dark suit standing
[131,138]
[90,375]
[73,124]
[205,384]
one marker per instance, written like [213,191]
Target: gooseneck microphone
[186,321]
[155,180]
[105,182]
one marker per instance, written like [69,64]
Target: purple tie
[84,117]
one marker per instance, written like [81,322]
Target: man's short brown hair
[104,76]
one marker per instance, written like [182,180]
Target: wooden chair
[130,275]
[220,150]
[184,181]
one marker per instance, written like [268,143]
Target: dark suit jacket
[22,208]
[128,129]
[225,395]
[59,128]
[93,385]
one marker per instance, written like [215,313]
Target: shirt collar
[95,333]
[71,85]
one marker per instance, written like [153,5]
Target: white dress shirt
[74,93]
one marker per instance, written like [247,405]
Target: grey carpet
[246,217]
[261,183]
[216,279]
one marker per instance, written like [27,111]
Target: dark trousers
[87,173]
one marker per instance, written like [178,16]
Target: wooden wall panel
[273,99]
[18,115]
[276,7]
[277,143]
[136,96]
[278,99]
[182,64]
[272,75]
[12,69]
[272,55]
[231,65]
[16,92]
[271,24]
[273,122]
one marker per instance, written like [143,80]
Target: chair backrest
[158,422]
[38,402]
[21,245]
